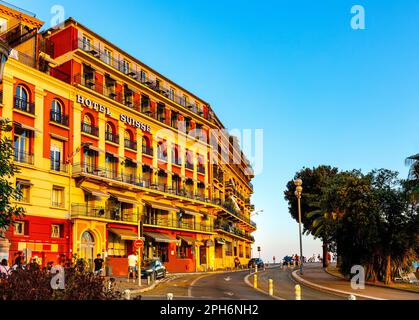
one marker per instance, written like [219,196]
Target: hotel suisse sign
[123,117]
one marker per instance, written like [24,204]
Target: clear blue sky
[323,92]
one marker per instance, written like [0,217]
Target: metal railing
[85,210]
[148,150]
[189,165]
[135,73]
[177,223]
[89,129]
[160,186]
[130,144]
[24,105]
[58,166]
[201,169]
[23,157]
[222,225]
[111,137]
[59,118]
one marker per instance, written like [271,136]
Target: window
[89,164]
[124,66]
[162,151]
[174,120]
[56,231]
[23,186]
[229,248]
[172,94]
[116,246]
[21,143]
[56,152]
[145,105]
[57,113]
[143,76]
[87,44]
[57,199]
[161,112]
[183,251]
[22,100]
[3,25]
[111,166]
[184,100]
[20,228]
[107,57]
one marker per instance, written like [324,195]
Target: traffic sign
[138,243]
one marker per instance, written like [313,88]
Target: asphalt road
[284,286]
[231,286]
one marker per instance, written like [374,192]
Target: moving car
[256,262]
[153,268]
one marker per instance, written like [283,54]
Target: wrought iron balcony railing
[85,210]
[24,105]
[59,118]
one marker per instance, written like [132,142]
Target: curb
[327,289]
[246,280]
[374,284]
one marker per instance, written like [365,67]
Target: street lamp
[255,213]
[298,191]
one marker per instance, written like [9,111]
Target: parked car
[256,262]
[153,268]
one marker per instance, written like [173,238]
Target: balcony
[218,173]
[233,211]
[59,118]
[133,71]
[148,151]
[178,224]
[85,210]
[130,144]
[89,129]
[106,173]
[222,225]
[58,166]
[23,157]
[24,105]
[201,169]
[176,161]
[111,137]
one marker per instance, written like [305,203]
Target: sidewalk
[315,277]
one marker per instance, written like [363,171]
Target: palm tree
[413,176]
[322,228]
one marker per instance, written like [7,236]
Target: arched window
[56,111]
[87,119]
[128,135]
[109,128]
[22,98]
[146,146]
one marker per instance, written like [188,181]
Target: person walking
[98,264]
[4,269]
[132,265]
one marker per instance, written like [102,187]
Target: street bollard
[271,287]
[169,296]
[127,294]
[256,269]
[148,280]
[297,292]
[351,297]
[255,281]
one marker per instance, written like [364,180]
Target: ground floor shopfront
[38,238]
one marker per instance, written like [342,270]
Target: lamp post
[298,191]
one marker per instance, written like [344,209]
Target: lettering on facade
[93,105]
[135,123]
[123,117]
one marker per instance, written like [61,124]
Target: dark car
[287,260]
[153,268]
[256,262]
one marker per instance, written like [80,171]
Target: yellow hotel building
[111,151]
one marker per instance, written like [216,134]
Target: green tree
[314,181]
[8,169]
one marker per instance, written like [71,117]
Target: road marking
[193,283]
[319,287]
[229,293]
[227,279]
